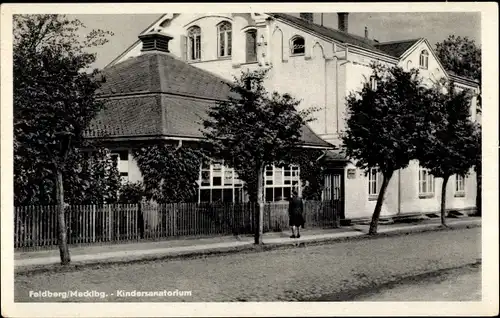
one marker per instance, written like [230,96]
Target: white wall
[319,78]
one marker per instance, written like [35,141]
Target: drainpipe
[337,81]
[179,145]
[336,89]
[322,155]
[326,95]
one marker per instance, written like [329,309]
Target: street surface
[330,272]
[463,284]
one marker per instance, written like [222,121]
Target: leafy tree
[53,96]
[383,125]
[131,192]
[451,147]
[89,178]
[478,168]
[312,172]
[461,56]
[170,174]
[254,130]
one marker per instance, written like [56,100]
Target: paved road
[462,284]
[335,271]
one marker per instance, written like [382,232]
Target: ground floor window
[425,183]
[373,183]
[459,185]
[121,158]
[219,183]
[279,182]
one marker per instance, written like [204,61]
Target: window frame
[373,184]
[292,45]
[122,164]
[194,39]
[426,184]
[273,173]
[424,60]
[460,185]
[228,41]
[236,182]
[247,33]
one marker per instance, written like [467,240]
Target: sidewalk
[25,261]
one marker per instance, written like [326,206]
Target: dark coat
[295,212]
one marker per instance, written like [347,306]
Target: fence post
[93,223]
[174,220]
[110,214]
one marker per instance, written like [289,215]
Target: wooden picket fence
[36,226]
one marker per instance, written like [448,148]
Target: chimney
[307,16]
[155,41]
[366,32]
[343,21]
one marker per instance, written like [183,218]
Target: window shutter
[184,47]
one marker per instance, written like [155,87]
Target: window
[121,158]
[425,183]
[373,183]
[424,59]
[194,43]
[298,45]
[373,83]
[225,39]
[459,185]
[219,183]
[251,46]
[280,181]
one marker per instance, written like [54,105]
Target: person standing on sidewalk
[295,210]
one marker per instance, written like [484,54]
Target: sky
[435,27]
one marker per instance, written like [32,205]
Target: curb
[247,248]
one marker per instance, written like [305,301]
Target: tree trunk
[63,239]
[378,206]
[259,229]
[443,200]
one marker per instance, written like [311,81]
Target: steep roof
[156,95]
[396,48]
[331,33]
[160,72]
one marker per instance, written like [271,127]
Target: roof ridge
[398,41]
[331,33]
[359,37]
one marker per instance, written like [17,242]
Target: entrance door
[334,190]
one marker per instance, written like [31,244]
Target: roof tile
[396,48]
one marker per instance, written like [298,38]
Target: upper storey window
[194,43]
[424,59]
[251,46]
[298,45]
[225,39]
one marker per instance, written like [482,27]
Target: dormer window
[298,45]
[225,39]
[194,43]
[424,59]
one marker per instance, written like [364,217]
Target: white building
[320,66]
